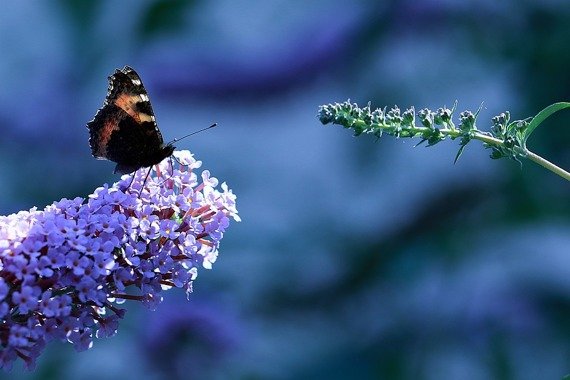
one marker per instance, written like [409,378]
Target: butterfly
[124,130]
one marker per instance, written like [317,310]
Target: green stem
[454,133]
[531,156]
[548,165]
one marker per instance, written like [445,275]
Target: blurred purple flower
[64,270]
[190,340]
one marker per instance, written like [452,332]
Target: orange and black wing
[124,130]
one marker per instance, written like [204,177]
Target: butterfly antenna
[193,133]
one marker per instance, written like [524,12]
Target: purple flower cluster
[65,270]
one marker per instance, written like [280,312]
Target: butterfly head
[167,149]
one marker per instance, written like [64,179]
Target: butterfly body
[124,130]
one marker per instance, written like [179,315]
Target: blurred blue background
[356,258]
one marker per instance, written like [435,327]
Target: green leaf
[542,115]
[459,153]
[464,141]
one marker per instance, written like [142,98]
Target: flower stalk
[506,139]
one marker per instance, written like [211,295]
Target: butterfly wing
[124,130]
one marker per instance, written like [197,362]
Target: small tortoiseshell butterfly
[124,130]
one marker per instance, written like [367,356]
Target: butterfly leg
[130,183]
[145,178]
[171,171]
